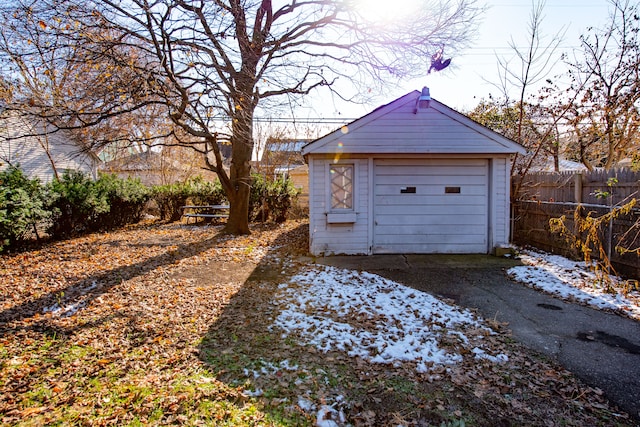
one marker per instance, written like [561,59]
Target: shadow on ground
[293,382]
[83,291]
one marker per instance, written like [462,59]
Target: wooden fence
[551,195]
[579,187]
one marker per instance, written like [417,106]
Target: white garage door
[431,206]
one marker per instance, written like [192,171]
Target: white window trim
[353,189]
[342,216]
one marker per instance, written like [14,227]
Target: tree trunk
[238,222]
[240,173]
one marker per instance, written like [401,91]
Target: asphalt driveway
[602,349]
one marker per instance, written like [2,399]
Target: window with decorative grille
[341,186]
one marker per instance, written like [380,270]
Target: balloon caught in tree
[437,63]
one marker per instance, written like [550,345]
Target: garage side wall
[350,237]
[501,201]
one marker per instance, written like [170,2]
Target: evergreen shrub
[21,207]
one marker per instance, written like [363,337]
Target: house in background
[299,177]
[160,164]
[25,143]
[146,166]
[547,164]
[413,176]
[159,167]
[277,156]
[282,158]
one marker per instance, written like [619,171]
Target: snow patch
[373,318]
[572,280]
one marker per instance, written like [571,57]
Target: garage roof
[400,128]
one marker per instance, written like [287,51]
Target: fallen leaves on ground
[162,324]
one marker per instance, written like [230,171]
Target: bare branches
[196,69]
[534,62]
[606,118]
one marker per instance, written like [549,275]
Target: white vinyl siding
[501,193]
[337,238]
[431,206]
[30,152]
[396,129]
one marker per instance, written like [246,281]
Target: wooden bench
[205,211]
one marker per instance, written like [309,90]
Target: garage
[431,206]
[412,176]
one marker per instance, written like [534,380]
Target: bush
[75,203]
[257,199]
[21,207]
[79,205]
[205,192]
[170,198]
[126,199]
[270,199]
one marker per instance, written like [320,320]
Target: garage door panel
[433,248]
[381,163]
[460,209]
[430,220]
[472,189]
[413,230]
[422,200]
[431,180]
[431,169]
[423,239]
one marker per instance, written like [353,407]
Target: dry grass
[165,324]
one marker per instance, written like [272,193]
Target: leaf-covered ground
[166,324]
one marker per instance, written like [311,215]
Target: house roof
[546,165]
[144,161]
[397,128]
[287,145]
[278,145]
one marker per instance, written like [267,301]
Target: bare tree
[5,93]
[606,115]
[518,121]
[50,80]
[211,65]
[531,66]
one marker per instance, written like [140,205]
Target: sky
[464,83]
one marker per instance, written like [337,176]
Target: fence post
[577,187]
